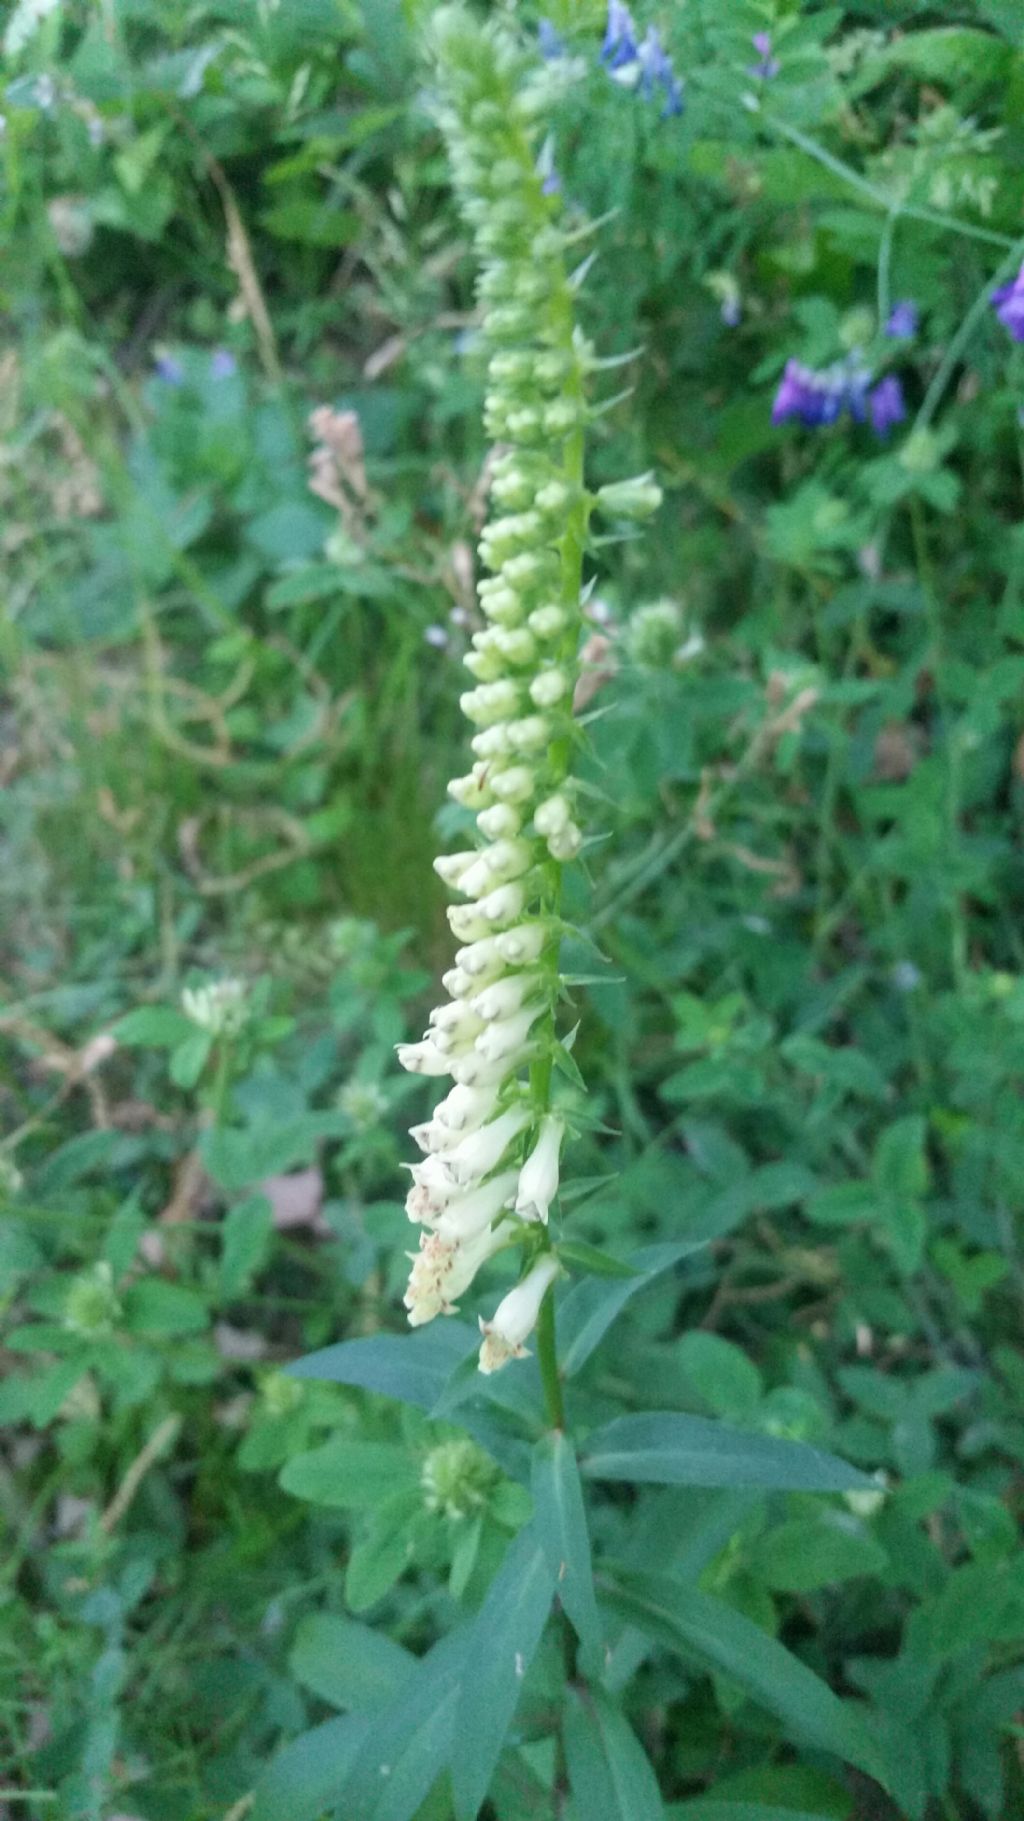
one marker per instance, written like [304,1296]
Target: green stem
[547,1358]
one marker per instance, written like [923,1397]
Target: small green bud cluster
[456,1479]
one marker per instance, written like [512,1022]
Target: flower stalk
[489,1170]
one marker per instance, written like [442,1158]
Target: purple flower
[656,68]
[767,65]
[169,370]
[903,319]
[813,398]
[1008,303]
[619,45]
[223,364]
[731,311]
[547,171]
[886,404]
[549,42]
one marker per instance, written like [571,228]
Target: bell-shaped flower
[513,785]
[516,1316]
[477,1071]
[473,1209]
[464,1108]
[481,960]
[479,1153]
[566,844]
[454,1020]
[471,791]
[450,867]
[442,1270]
[458,983]
[553,815]
[467,923]
[538,1178]
[500,822]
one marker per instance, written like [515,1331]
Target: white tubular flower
[503,905]
[433,1137]
[422,1058]
[516,1316]
[450,867]
[433,1187]
[458,983]
[499,822]
[475,1071]
[465,1108]
[552,816]
[480,1153]
[521,946]
[507,860]
[469,1212]
[478,879]
[482,960]
[442,1270]
[503,997]
[507,1035]
[538,1178]
[566,844]
[454,1019]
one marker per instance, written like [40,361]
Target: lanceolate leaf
[668,1448]
[561,1522]
[609,1774]
[707,1808]
[414,1368]
[707,1631]
[588,1311]
[307,1775]
[408,1743]
[501,1647]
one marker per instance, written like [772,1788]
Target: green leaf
[706,1808]
[311,220]
[349,1476]
[308,1774]
[705,1630]
[235,1159]
[900,1162]
[153,1306]
[153,1027]
[245,1242]
[814,1552]
[189,1059]
[609,1772]
[590,1260]
[722,1375]
[561,1522]
[670,1449]
[346,1663]
[500,1649]
[410,1742]
[382,1556]
[414,1368]
[588,1311]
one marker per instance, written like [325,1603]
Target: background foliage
[229,708]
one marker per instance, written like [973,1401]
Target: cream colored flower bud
[433,1137]
[553,497]
[499,822]
[504,606]
[492,742]
[513,785]
[473,1070]
[467,923]
[566,845]
[549,687]
[485,665]
[529,734]
[422,1059]
[547,622]
[551,816]
[455,1019]
[538,1178]
[514,645]
[522,946]
[516,1316]
[451,867]
[458,983]
[491,702]
[636,498]
[471,791]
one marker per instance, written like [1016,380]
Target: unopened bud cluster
[491,1151]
